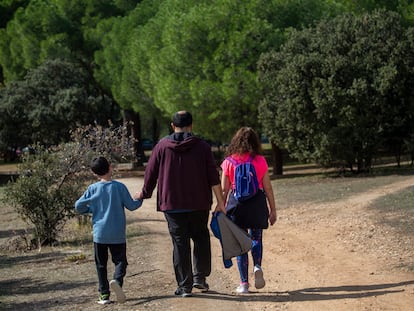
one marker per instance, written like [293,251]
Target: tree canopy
[153,57]
[339,91]
[44,110]
[202,55]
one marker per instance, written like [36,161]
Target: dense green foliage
[48,29]
[44,110]
[202,55]
[114,70]
[154,57]
[342,91]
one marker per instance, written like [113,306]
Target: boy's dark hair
[100,166]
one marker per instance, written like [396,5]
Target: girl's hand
[272,217]
[220,207]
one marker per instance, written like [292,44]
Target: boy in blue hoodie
[106,200]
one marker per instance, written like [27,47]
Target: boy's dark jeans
[118,254]
[183,228]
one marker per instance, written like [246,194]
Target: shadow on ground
[305,294]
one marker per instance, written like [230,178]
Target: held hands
[137,196]
[220,207]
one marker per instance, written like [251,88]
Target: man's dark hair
[182,119]
[100,166]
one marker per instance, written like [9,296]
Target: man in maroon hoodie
[183,166]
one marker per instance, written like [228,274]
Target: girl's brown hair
[245,140]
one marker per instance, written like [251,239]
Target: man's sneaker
[180,291]
[243,288]
[259,281]
[201,285]
[115,287]
[104,299]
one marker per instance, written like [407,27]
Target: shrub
[51,179]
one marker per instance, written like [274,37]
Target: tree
[53,99]
[114,72]
[202,55]
[339,91]
[65,29]
[37,32]
[367,6]
[45,29]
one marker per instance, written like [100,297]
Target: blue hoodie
[106,201]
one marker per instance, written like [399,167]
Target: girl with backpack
[252,214]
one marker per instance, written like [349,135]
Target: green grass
[397,210]
[322,189]
[330,187]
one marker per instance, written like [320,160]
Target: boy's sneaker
[104,299]
[183,292]
[243,288]
[115,287]
[201,285]
[259,281]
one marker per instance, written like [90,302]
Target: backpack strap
[235,162]
[232,161]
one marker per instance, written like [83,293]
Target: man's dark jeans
[184,227]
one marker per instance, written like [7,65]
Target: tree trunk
[135,128]
[155,130]
[277,157]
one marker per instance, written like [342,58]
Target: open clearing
[338,253]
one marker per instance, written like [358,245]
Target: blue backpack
[245,179]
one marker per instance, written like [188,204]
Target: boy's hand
[137,196]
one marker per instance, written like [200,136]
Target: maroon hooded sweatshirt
[184,167]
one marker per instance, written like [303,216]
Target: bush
[51,179]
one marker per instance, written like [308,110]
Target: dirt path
[335,257]
[317,257]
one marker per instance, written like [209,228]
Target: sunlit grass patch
[397,209]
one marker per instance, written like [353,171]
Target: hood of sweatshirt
[181,142]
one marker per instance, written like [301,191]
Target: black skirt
[250,214]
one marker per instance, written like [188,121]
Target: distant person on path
[183,166]
[245,144]
[106,200]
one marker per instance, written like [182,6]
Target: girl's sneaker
[259,281]
[243,288]
[104,299]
